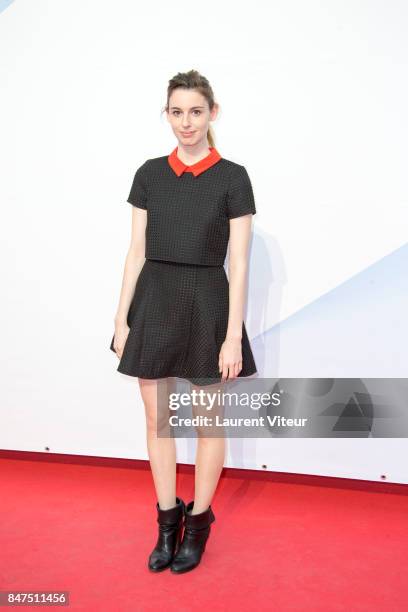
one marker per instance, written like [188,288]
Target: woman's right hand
[121,334]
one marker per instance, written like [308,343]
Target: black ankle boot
[170,528]
[197,528]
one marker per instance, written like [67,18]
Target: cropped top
[189,207]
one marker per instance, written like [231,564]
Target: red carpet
[279,542]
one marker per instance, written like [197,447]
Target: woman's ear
[214,111]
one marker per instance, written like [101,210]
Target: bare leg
[161,450]
[210,456]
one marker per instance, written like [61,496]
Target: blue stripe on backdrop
[356,330]
[4,4]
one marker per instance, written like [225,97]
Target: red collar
[179,167]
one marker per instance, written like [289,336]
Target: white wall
[313,98]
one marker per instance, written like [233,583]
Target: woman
[179,315]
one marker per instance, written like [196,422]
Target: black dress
[178,316]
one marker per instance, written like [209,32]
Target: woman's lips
[187,133]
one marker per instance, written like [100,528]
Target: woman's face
[189,116]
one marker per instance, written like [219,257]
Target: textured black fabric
[188,216]
[178,321]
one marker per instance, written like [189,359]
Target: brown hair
[193,80]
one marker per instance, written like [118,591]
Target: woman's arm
[135,259]
[230,361]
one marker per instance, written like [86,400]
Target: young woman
[179,315]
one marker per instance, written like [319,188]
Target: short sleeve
[138,193]
[240,200]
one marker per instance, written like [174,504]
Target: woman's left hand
[230,358]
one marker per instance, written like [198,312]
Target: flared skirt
[178,320]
